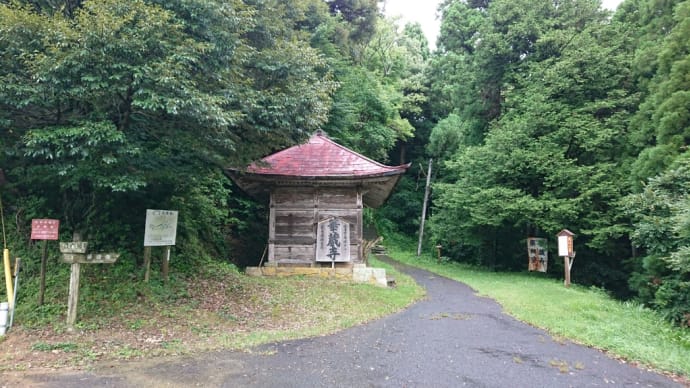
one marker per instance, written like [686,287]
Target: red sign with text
[44,229]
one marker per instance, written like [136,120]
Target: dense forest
[538,115]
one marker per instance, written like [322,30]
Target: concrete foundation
[360,273]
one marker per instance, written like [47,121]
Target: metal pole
[8,277]
[426,200]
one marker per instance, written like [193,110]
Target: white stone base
[363,274]
[359,273]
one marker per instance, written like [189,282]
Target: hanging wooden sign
[333,240]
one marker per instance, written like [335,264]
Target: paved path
[451,339]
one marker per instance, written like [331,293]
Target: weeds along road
[451,339]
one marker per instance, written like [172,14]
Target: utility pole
[426,200]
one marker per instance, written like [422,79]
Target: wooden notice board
[45,229]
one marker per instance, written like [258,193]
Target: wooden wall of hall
[294,215]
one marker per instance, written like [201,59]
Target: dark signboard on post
[45,229]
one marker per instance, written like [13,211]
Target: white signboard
[333,240]
[161,228]
[564,246]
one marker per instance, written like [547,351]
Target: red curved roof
[321,157]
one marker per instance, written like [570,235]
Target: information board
[538,253]
[161,228]
[45,229]
[333,240]
[565,246]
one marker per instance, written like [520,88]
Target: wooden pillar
[271,230]
[147,263]
[166,263]
[567,264]
[73,299]
[42,287]
[360,226]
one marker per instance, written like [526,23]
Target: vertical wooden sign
[333,240]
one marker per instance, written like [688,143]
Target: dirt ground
[145,332]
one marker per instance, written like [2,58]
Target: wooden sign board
[565,246]
[45,229]
[91,258]
[538,254]
[74,247]
[161,228]
[333,240]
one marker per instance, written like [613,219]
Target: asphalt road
[451,339]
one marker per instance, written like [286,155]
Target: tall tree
[548,158]
[661,125]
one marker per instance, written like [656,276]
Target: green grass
[62,346]
[322,306]
[585,315]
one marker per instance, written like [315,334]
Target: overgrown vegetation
[587,315]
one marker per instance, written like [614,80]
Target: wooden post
[438,250]
[426,200]
[73,299]
[566,265]
[44,259]
[166,263]
[147,263]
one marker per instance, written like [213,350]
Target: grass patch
[305,307]
[586,315]
[62,346]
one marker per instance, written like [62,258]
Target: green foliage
[663,62]
[549,159]
[95,152]
[361,18]
[402,210]
[378,91]
[111,105]
[366,118]
[62,346]
[660,213]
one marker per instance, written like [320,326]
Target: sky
[424,12]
